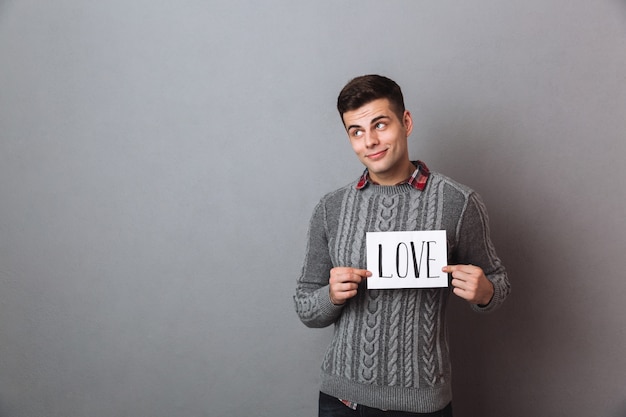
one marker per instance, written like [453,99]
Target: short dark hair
[366,88]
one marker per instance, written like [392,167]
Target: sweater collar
[417,180]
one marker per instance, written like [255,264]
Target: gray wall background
[159,162]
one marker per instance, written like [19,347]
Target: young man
[390,348]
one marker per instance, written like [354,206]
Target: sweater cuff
[327,308]
[493,305]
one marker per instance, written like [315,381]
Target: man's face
[379,140]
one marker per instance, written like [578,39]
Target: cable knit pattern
[368,365]
[393,344]
[429,331]
[389,349]
[409,353]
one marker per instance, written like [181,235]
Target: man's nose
[371,139]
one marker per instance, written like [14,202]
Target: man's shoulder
[340,192]
[438,179]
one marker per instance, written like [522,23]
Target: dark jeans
[331,407]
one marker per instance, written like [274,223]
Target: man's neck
[396,177]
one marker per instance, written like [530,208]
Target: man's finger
[362,273]
[464,269]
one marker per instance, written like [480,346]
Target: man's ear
[407,121]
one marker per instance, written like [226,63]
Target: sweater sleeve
[475,247]
[312,297]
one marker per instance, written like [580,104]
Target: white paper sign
[407,259]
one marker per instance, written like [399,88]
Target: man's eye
[357,133]
[380,125]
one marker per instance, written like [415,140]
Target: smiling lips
[376,156]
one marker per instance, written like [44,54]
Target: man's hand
[470,283]
[344,282]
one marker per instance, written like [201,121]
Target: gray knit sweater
[390,347]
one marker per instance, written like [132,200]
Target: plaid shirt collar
[418,180]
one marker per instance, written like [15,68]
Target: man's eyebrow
[374,120]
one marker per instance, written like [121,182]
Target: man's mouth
[377,155]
